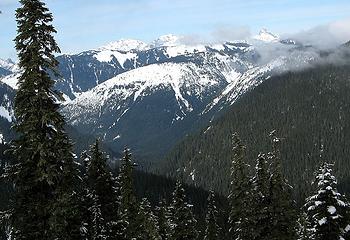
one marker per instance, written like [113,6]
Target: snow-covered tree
[163,220]
[129,207]
[183,223]
[327,209]
[98,227]
[303,227]
[212,228]
[240,191]
[148,222]
[101,182]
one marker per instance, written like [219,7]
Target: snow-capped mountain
[7,64]
[148,96]
[165,100]
[6,67]
[125,45]
[168,96]
[266,36]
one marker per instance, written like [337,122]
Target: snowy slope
[162,90]
[6,102]
[7,64]
[138,102]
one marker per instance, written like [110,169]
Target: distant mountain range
[149,96]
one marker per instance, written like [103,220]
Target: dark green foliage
[282,206]
[148,228]
[129,206]
[240,192]
[183,223]
[258,222]
[101,186]
[43,175]
[212,227]
[98,225]
[6,192]
[307,108]
[327,210]
[303,227]
[163,220]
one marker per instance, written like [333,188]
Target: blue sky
[86,24]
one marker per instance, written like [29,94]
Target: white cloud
[229,32]
[325,36]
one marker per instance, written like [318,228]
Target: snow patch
[5,114]
[331,210]
[11,80]
[322,221]
[117,137]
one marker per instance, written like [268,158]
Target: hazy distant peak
[168,40]
[125,45]
[266,36]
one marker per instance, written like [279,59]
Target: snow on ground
[5,114]
[11,80]
[138,83]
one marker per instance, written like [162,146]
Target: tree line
[309,109]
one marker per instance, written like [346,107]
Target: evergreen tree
[183,223]
[239,197]
[87,200]
[212,227]
[163,220]
[98,227]
[44,196]
[100,182]
[258,223]
[283,216]
[326,210]
[128,205]
[303,228]
[148,222]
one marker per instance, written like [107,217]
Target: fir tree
[44,196]
[148,228]
[327,209]
[128,205]
[212,227]
[101,182]
[239,197]
[283,216]
[303,227]
[98,227]
[163,220]
[183,223]
[258,223]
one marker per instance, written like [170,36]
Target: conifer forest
[253,149]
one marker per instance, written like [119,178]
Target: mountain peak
[7,64]
[168,40]
[266,36]
[125,45]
